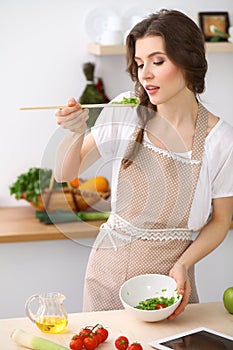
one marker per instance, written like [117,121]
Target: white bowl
[148,286]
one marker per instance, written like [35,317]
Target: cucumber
[87,216]
[60,216]
[56,217]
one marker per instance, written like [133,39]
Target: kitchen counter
[210,315]
[18,224]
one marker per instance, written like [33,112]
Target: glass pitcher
[51,317]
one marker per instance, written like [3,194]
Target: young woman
[171,160]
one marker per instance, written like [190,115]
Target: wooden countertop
[210,315]
[18,224]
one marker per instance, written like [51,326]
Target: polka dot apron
[148,231]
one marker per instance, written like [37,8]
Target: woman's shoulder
[212,121]
[219,142]
[220,131]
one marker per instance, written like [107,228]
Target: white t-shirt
[113,131]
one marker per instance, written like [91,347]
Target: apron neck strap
[200,132]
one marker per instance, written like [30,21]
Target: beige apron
[148,232]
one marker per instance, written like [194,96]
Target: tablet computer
[195,339]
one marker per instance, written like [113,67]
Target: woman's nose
[147,72]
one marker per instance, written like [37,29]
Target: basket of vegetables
[39,188]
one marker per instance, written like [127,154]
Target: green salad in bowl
[150,297]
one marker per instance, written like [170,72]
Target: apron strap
[200,132]
[197,154]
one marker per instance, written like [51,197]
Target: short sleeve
[222,162]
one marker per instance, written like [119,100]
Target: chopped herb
[126,100]
[150,303]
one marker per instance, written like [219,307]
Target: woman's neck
[173,128]
[180,113]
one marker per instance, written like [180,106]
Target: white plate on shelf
[96,22]
[134,15]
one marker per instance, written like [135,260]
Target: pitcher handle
[28,311]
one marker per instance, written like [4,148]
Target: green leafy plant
[32,183]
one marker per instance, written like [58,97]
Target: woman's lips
[151,89]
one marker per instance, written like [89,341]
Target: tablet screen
[202,339]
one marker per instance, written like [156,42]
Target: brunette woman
[171,158]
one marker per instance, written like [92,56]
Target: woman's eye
[158,63]
[140,66]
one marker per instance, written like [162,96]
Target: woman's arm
[76,152]
[209,238]
[212,234]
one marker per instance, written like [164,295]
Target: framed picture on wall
[214,25]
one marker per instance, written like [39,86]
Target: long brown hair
[185,47]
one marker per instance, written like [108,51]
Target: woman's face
[162,80]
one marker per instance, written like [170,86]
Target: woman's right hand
[180,275]
[73,117]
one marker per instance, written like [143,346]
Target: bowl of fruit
[150,297]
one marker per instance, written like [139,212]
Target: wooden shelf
[219,47]
[101,50]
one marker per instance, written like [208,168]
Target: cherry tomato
[135,346]
[122,343]
[84,332]
[90,342]
[103,332]
[76,343]
[98,338]
[160,306]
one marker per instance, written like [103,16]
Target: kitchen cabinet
[101,50]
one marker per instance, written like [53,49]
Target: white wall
[214,273]
[43,47]
[29,268]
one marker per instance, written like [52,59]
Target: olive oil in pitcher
[52,324]
[51,317]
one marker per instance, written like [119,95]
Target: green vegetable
[150,303]
[33,342]
[56,217]
[60,216]
[33,183]
[88,216]
[126,100]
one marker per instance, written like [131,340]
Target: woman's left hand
[180,275]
